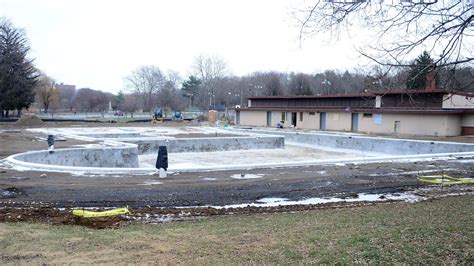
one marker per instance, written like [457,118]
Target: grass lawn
[440,231]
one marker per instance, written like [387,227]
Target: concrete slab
[247,158]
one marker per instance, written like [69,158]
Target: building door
[355,122]
[396,127]
[322,120]
[294,117]
[237,117]
[269,119]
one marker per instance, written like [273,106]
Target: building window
[378,119]
[301,116]
[312,113]
[367,115]
[283,116]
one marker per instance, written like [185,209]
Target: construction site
[214,171]
[218,170]
[236,132]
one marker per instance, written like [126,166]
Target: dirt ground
[36,195]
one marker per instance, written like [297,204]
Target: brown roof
[354,95]
[365,94]
[385,92]
[359,110]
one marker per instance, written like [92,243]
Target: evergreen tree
[190,88]
[18,77]
[420,68]
[118,100]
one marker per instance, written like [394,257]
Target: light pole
[227,102]
[327,84]
[241,92]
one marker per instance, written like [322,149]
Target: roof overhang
[360,110]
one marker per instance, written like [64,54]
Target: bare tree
[146,81]
[460,79]
[101,101]
[209,69]
[229,92]
[172,80]
[84,100]
[89,100]
[266,84]
[130,104]
[401,27]
[67,93]
[171,99]
[273,85]
[299,84]
[46,93]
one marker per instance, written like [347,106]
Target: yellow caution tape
[90,214]
[440,179]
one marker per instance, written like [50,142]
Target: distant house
[418,112]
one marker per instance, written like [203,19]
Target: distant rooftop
[365,94]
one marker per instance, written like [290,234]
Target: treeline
[204,91]
[52,97]
[149,87]
[210,86]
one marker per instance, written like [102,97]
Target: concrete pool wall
[123,152]
[150,145]
[122,155]
[371,144]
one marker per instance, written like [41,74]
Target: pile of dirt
[56,216]
[29,120]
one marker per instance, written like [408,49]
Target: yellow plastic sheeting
[440,179]
[91,214]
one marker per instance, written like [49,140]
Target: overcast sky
[96,44]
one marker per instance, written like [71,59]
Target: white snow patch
[19,177]
[415,172]
[444,180]
[246,176]
[466,161]
[150,183]
[274,202]
[271,200]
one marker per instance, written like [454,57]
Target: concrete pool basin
[120,149]
[134,150]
